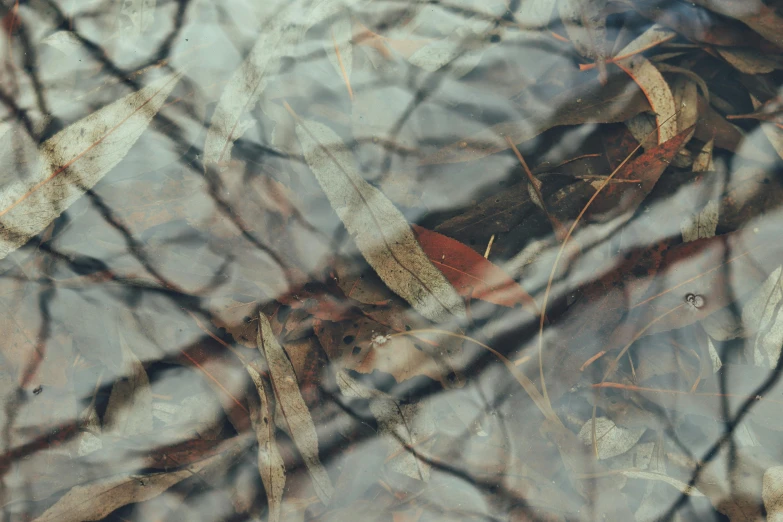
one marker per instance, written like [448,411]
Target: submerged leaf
[74,160]
[95,500]
[270,462]
[400,424]
[472,274]
[379,229]
[295,412]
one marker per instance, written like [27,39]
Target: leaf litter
[390,314]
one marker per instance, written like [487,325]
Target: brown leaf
[295,412]
[96,500]
[470,273]
[270,462]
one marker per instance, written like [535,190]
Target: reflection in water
[342,259]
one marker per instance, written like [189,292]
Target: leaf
[297,416]
[624,198]
[772,493]
[651,81]
[74,160]
[378,228]
[400,425]
[472,274]
[702,224]
[270,463]
[762,315]
[585,23]
[750,62]
[96,500]
[140,14]
[753,13]
[611,440]
[683,487]
[591,103]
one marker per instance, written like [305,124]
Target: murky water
[361,260]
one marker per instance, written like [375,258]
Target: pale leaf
[762,315]
[280,37]
[701,225]
[772,493]
[95,500]
[270,462]
[703,160]
[684,488]
[397,423]
[295,412]
[650,79]
[611,440]
[379,229]
[136,16]
[74,160]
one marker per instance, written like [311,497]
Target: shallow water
[361,260]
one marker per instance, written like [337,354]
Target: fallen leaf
[297,416]
[762,315]
[270,462]
[140,14]
[651,81]
[610,439]
[750,62]
[96,500]
[74,160]
[585,23]
[280,37]
[379,229]
[400,425]
[472,274]
[623,199]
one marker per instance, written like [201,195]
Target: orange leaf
[470,273]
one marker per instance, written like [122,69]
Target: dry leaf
[95,500]
[750,62]
[297,416]
[281,37]
[610,439]
[270,462]
[651,81]
[772,493]
[379,229]
[762,315]
[74,160]
[400,425]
